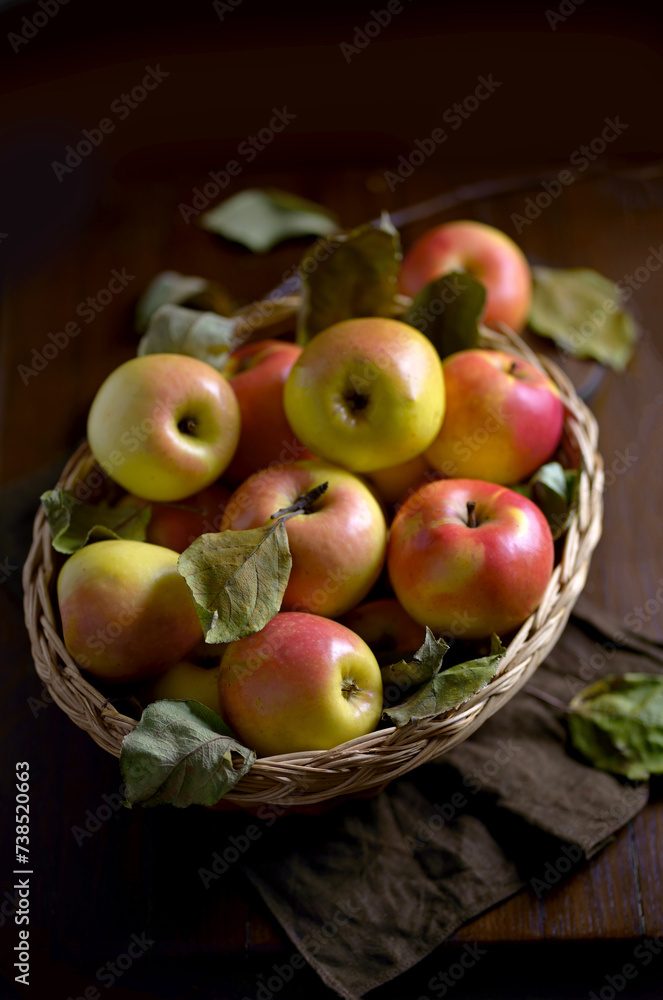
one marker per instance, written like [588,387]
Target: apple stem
[302,504]
[471,516]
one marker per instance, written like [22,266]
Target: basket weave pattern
[373,760]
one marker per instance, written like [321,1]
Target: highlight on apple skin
[486,253]
[164,426]
[301,683]
[470,551]
[366,394]
[338,549]
[126,612]
[504,418]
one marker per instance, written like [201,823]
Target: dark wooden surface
[138,872]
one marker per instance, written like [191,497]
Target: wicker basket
[368,762]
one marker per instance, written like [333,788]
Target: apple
[186,681]
[469,558]
[385,626]
[164,426]
[301,683]
[486,253]
[177,525]
[366,394]
[393,483]
[338,549]
[126,611]
[257,373]
[504,418]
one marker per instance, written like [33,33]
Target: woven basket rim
[371,761]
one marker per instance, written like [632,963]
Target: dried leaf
[447,310]
[581,311]
[358,277]
[237,579]
[183,753]
[202,335]
[425,663]
[448,689]
[173,288]
[617,724]
[259,219]
[73,523]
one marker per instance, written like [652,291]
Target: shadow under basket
[366,764]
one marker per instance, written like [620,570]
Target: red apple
[257,373]
[487,254]
[469,558]
[338,548]
[301,683]
[176,526]
[504,418]
[385,626]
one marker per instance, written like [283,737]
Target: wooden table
[119,211]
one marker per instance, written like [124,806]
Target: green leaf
[183,753]
[173,288]
[202,335]
[425,663]
[617,724]
[555,491]
[259,219]
[358,277]
[237,579]
[73,523]
[580,310]
[448,689]
[447,310]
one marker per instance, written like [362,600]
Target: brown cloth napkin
[370,888]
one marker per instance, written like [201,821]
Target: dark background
[119,209]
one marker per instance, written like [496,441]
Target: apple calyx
[349,687]
[303,504]
[356,401]
[188,425]
[471,516]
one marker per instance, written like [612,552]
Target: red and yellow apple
[164,426]
[257,373]
[486,253]
[385,626]
[126,611]
[469,558]
[366,394]
[301,683]
[504,418]
[186,681]
[338,549]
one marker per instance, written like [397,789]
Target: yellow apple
[164,426]
[186,680]
[366,394]
[126,611]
